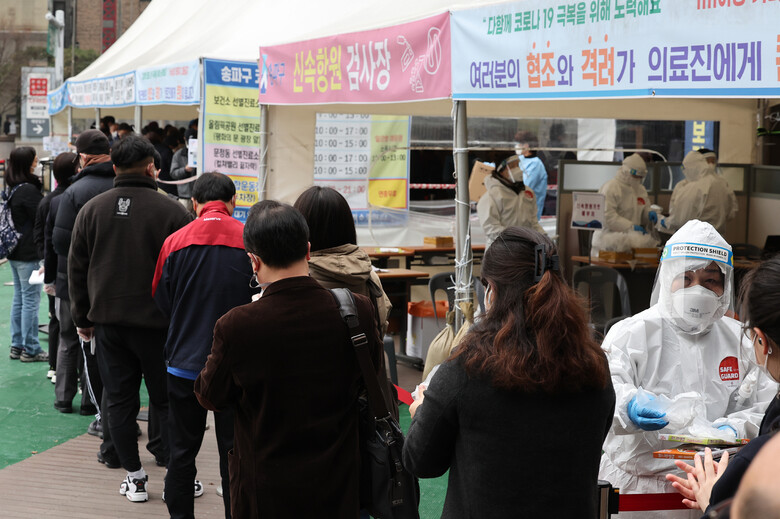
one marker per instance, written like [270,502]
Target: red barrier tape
[404,396]
[646,502]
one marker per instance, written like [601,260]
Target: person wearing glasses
[714,484]
[528,389]
[676,367]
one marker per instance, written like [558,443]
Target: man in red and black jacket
[202,273]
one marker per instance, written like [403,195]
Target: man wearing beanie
[117,237]
[96,175]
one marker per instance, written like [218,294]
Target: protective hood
[633,166]
[346,264]
[695,246]
[694,166]
[495,179]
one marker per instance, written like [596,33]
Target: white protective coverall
[626,200]
[500,207]
[695,364]
[703,195]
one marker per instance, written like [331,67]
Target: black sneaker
[87,410]
[111,462]
[95,428]
[134,489]
[15,353]
[63,407]
[39,357]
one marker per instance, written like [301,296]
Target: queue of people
[215,315]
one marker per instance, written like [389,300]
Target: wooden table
[397,284]
[425,254]
[380,255]
[623,265]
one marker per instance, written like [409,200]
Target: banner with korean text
[231,127]
[557,49]
[366,159]
[407,62]
[175,84]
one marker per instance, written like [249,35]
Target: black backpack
[9,236]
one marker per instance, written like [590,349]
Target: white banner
[556,49]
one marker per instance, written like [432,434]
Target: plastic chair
[598,285]
[442,281]
[446,281]
[746,250]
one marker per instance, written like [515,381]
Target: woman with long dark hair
[336,260]
[519,413]
[23,190]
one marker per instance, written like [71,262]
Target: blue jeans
[25,308]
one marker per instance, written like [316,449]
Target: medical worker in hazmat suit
[627,209]
[703,195]
[507,201]
[676,368]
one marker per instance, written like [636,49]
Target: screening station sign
[364,157]
[553,49]
[231,127]
[407,62]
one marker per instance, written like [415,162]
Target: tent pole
[70,124]
[262,173]
[463,253]
[138,117]
[97,118]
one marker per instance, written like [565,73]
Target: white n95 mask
[695,305]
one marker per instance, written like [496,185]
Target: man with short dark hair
[116,240]
[201,274]
[285,363]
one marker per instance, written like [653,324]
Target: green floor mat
[28,421]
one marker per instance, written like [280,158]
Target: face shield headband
[693,308]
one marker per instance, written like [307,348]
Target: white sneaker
[198,490]
[50,373]
[54,379]
[134,489]
[219,491]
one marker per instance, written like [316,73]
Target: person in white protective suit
[507,201]
[703,195]
[627,206]
[676,368]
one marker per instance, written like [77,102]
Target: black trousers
[186,426]
[54,334]
[125,355]
[70,361]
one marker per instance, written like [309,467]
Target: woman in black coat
[519,413]
[23,190]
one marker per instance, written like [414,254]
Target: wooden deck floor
[67,482]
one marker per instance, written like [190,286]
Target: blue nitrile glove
[725,427]
[663,223]
[645,418]
[639,228]
[653,216]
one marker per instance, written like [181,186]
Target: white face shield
[694,284]
[514,171]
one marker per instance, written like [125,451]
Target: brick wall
[89,30]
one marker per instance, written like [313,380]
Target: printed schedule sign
[363,157]
[548,49]
[231,127]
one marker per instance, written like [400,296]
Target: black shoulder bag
[387,489]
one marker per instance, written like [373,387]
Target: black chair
[442,281]
[746,250]
[446,281]
[598,285]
